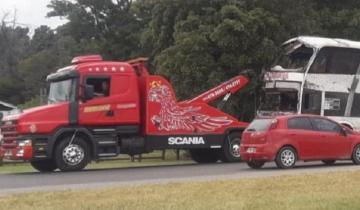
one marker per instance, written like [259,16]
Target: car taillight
[274,124]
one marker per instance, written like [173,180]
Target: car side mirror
[89,92]
[343,132]
[1,115]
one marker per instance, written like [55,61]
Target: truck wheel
[48,165]
[230,151]
[356,155]
[255,164]
[204,155]
[72,157]
[286,158]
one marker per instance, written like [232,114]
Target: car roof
[288,116]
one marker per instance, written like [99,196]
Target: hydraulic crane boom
[224,89]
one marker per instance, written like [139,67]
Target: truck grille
[9,133]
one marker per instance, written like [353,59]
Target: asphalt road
[98,178]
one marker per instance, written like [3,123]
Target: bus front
[283,83]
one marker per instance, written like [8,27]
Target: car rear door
[302,134]
[334,143]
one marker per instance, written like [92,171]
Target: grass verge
[332,190]
[170,159]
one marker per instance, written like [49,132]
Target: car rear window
[259,125]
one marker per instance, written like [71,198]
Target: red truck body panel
[164,115]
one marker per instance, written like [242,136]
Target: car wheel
[230,151]
[255,164]
[48,165]
[329,162]
[356,155]
[204,155]
[286,158]
[74,156]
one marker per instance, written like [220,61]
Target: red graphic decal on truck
[174,117]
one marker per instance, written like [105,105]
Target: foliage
[195,43]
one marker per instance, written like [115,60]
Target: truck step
[107,143]
[107,154]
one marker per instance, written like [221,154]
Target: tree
[13,43]
[111,24]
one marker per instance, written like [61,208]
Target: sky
[29,13]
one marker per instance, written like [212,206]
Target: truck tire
[230,151]
[47,165]
[74,157]
[204,155]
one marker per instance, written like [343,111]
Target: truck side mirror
[89,92]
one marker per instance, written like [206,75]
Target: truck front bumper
[22,151]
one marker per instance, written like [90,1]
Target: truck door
[115,101]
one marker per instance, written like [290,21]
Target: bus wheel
[230,151]
[47,165]
[204,155]
[74,156]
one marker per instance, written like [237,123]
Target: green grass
[170,159]
[330,191]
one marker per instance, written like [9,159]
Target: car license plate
[251,150]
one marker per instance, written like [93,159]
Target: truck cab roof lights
[86,58]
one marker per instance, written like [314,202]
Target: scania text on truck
[98,109]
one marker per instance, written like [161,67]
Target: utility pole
[351,95]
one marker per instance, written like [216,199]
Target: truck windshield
[279,101]
[294,58]
[60,91]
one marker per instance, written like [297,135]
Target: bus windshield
[284,101]
[293,58]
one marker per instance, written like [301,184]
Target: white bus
[315,75]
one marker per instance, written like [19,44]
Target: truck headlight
[24,143]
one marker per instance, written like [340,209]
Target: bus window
[334,60]
[335,104]
[355,109]
[311,103]
[279,101]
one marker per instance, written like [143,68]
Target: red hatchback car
[287,139]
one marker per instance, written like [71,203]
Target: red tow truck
[98,109]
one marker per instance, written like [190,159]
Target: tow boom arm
[226,88]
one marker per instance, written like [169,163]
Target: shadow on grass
[305,165]
[115,169]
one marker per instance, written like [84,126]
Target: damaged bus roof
[320,42]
